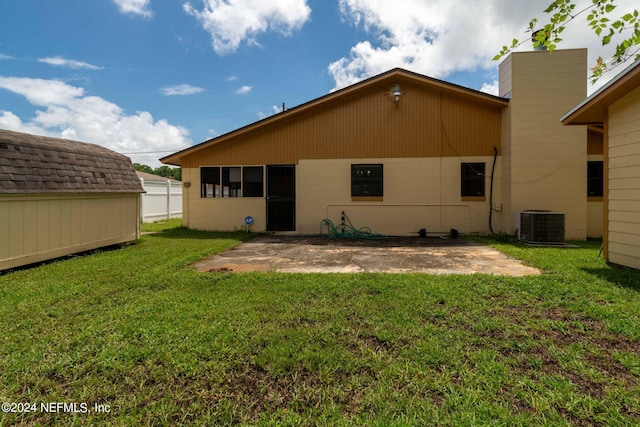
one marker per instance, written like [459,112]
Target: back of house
[401,152]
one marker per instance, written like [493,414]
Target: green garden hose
[346,230]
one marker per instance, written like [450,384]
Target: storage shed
[59,197]
[615,110]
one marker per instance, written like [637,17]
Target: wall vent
[540,226]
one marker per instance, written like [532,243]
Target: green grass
[161,225]
[138,330]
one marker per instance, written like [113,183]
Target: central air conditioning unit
[540,226]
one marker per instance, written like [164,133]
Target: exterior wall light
[397,93]
[394,93]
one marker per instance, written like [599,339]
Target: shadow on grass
[188,233]
[618,275]
[80,254]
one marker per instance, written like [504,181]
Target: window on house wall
[472,179]
[253,179]
[366,180]
[595,179]
[210,182]
[232,181]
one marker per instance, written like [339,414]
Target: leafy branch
[598,19]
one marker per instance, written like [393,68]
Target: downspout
[493,168]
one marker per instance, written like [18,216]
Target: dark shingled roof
[38,164]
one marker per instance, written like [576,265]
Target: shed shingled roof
[37,164]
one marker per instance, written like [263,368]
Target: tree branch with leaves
[599,17]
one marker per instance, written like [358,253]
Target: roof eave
[592,111]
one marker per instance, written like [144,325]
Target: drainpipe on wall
[493,169]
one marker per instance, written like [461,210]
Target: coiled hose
[346,230]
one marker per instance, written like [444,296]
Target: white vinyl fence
[162,200]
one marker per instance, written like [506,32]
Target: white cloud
[232,78]
[232,22]
[3,56]
[10,121]
[243,90]
[66,111]
[439,38]
[436,38]
[274,110]
[491,88]
[135,7]
[59,61]
[181,90]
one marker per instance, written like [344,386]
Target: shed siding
[425,123]
[624,181]
[41,227]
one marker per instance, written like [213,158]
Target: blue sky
[150,77]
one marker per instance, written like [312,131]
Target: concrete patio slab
[293,254]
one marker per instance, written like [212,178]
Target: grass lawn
[137,331]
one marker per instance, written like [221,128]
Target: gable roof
[446,87]
[592,110]
[38,164]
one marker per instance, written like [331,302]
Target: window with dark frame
[366,180]
[231,181]
[595,179]
[472,179]
[209,182]
[253,179]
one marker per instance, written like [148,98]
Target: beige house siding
[40,227]
[595,207]
[505,87]
[418,193]
[545,166]
[595,223]
[216,214]
[624,181]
